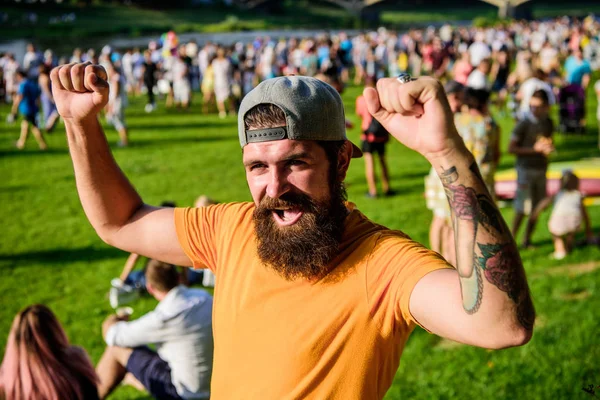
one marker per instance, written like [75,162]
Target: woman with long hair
[41,364]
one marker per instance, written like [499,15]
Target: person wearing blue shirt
[26,101]
[577,70]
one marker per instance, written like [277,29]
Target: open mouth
[287,216]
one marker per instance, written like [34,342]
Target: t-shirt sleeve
[396,265]
[196,233]
[204,231]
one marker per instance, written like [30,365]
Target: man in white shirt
[181,329]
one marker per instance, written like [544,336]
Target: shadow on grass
[63,255]
[33,152]
[14,189]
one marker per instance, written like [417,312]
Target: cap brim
[356,151]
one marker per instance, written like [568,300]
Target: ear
[344,158]
[149,288]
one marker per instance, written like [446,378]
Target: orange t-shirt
[340,337]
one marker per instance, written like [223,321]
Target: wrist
[453,153]
[83,123]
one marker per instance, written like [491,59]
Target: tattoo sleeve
[484,246]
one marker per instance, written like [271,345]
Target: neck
[161,295]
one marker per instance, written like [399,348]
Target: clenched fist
[416,113]
[80,90]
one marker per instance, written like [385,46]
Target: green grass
[50,254]
[99,21]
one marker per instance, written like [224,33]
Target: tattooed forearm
[498,261]
[489,215]
[498,264]
[463,201]
[449,176]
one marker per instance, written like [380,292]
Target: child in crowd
[567,214]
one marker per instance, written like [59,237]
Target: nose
[278,184]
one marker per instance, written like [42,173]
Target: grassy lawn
[50,254]
[98,21]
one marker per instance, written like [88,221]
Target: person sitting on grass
[40,363]
[567,214]
[26,101]
[181,328]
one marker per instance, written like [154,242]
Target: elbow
[512,337]
[520,336]
[106,234]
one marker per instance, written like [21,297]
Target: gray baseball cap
[313,111]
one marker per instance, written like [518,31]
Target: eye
[257,166]
[293,163]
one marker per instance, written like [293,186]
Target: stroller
[571,103]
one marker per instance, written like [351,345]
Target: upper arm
[436,304]
[151,232]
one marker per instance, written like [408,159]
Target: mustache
[287,200]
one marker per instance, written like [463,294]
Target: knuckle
[100,71]
[76,69]
[64,71]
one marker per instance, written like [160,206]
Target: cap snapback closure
[265,135]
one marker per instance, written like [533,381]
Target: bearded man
[312,299]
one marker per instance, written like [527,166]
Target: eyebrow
[293,156]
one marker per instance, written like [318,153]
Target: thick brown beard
[305,249]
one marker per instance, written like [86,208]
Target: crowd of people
[520,68]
